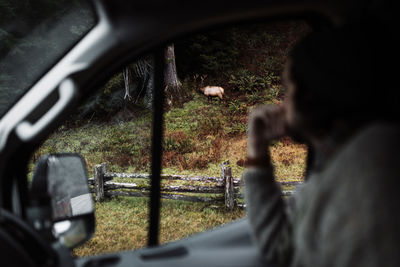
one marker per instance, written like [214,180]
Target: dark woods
[243,60]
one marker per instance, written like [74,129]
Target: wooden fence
[218,189]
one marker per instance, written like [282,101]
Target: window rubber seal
[156,149]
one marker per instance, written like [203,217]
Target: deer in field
[210,91]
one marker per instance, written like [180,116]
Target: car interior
[119,33]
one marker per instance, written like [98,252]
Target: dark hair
[338,74]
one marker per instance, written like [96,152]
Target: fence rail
[225,189]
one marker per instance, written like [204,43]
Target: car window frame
[157,130]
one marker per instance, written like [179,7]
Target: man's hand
[266,124]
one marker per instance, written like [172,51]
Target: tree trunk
[173,87]
[138,81]
[127,82]
[149,89]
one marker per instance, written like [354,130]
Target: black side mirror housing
[61,202]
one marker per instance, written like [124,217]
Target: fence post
[226,175]
[99,181]
[104,170]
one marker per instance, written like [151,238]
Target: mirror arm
[39,216]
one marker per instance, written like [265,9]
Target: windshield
[33,36]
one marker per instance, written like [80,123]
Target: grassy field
[193,146]
[121,223]
[198,136]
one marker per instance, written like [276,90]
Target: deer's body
[212,91]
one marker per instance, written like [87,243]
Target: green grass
[125,146]
[122,223]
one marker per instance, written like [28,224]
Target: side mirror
[61,203]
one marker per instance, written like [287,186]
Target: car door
[123,32]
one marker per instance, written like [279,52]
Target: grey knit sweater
[345,215]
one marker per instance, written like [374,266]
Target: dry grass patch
[289,160]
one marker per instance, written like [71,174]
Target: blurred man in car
[345,214]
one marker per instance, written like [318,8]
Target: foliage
[198,127]
[177,141]
[261,49]
[108,100]
[269,44]
[254,98]
[274,92]
[211,124]
[124,145]
[244,80]
[189,87]
[236,129]
[186,118]
[236,107]
[210,53]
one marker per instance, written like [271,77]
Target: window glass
[204,132]
[200,134]
[33,36]
[113,128]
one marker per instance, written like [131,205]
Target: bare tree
[142,71]
[128,83]
[138,81]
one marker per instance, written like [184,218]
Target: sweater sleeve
[268,215]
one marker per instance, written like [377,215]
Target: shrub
[214,153]
[198,162]
[212,52]
[174,159]
[108,99]
[236,129]
[210,122]
[274,92]
[245,81]
[210,153]
[254,98]
[236,107]
[177,141]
